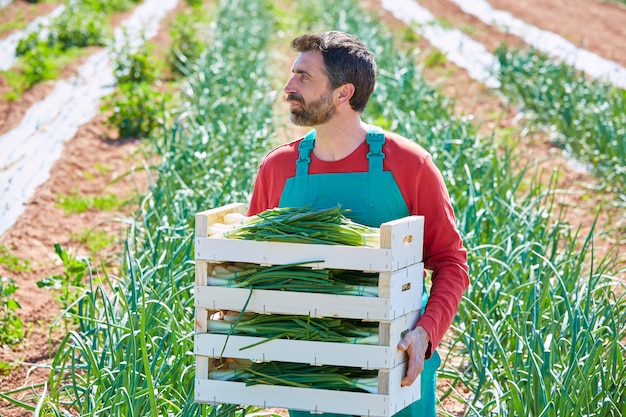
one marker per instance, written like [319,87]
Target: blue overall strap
[305,147]
[375,139]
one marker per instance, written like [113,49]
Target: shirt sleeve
[444,254]
[260,198]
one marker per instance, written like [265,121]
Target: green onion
[306,225]
[294,327]
[303,376]
[291,277]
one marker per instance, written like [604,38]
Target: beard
[314,113]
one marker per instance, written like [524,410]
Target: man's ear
[344,93]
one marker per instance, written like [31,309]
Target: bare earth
[596,26]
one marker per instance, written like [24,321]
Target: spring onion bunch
[326,329]
[302,375]
[307,225]
[291,277]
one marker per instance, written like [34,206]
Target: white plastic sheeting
[548,42]
[8,44]
[480,63]
[458,47]
[28,151]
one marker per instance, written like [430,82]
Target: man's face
[308,94]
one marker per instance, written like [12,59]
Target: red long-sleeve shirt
[425,194]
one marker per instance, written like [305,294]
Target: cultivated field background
[535,167]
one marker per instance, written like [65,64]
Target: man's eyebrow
[301,71]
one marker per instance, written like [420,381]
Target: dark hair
[346,60]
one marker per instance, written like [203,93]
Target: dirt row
[43,223]
[93,163]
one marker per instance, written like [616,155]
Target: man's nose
[289,87]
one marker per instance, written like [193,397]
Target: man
[379,176]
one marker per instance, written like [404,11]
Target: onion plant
[588,117]
[291,277]
[306,225]
[132,352]
[279,326]
[302,376]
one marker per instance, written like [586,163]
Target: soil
[22,11]
[93,164]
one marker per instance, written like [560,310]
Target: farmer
[379,176]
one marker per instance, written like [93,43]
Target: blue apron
[373,198]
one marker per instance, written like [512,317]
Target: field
[97,271]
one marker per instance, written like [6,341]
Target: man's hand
[414,343]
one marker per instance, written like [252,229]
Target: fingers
[415,367]
[410,344]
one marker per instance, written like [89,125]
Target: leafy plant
[109,6]
[135,65]
[11,328]
[70,281]
[435,59]
[38,65]
[136,109]
[79,27]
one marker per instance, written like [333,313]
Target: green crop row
[132,353]
[43,53]
[588,116]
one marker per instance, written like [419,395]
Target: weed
[11,331]
[95,240]
[74,271]
[435,59]
[13,262]
[76,203]
[19,22]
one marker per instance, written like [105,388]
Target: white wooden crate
[400,241]
[399,292]
[391,397]
[398,263]
[382,356]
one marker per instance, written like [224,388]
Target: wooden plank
[405,290]
[288,302]
[401,397]
[297,351]
[312,399]
[390,333]
[216,215]
[281,253]
[405,237]
[201,272]
[304,399]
